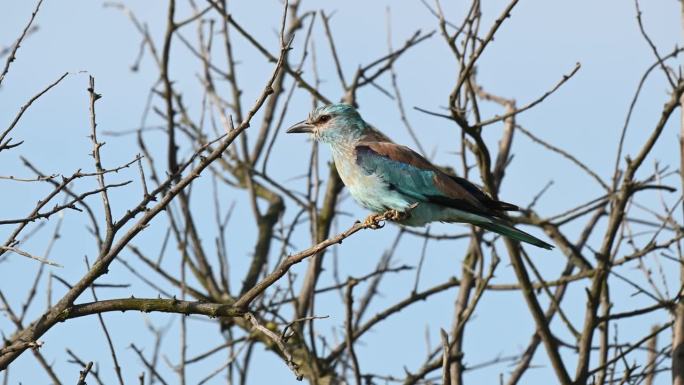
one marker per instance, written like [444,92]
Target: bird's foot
[396,215]
[374,221]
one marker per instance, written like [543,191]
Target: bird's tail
[495,224]
[502,228]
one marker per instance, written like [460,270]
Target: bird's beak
[301,127]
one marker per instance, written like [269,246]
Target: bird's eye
[323,119]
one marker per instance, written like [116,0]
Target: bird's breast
[369,190]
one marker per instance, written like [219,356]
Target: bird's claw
[374,221]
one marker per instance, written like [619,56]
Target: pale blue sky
[542,41]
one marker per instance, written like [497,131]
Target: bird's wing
[413,175]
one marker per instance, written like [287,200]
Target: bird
[383,176]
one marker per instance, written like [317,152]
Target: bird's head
[332,123]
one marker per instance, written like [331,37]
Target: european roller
[384,176]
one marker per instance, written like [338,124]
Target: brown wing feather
[456,190]
[399,153]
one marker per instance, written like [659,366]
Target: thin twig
[13,55]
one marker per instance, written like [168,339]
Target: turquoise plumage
[382,176]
